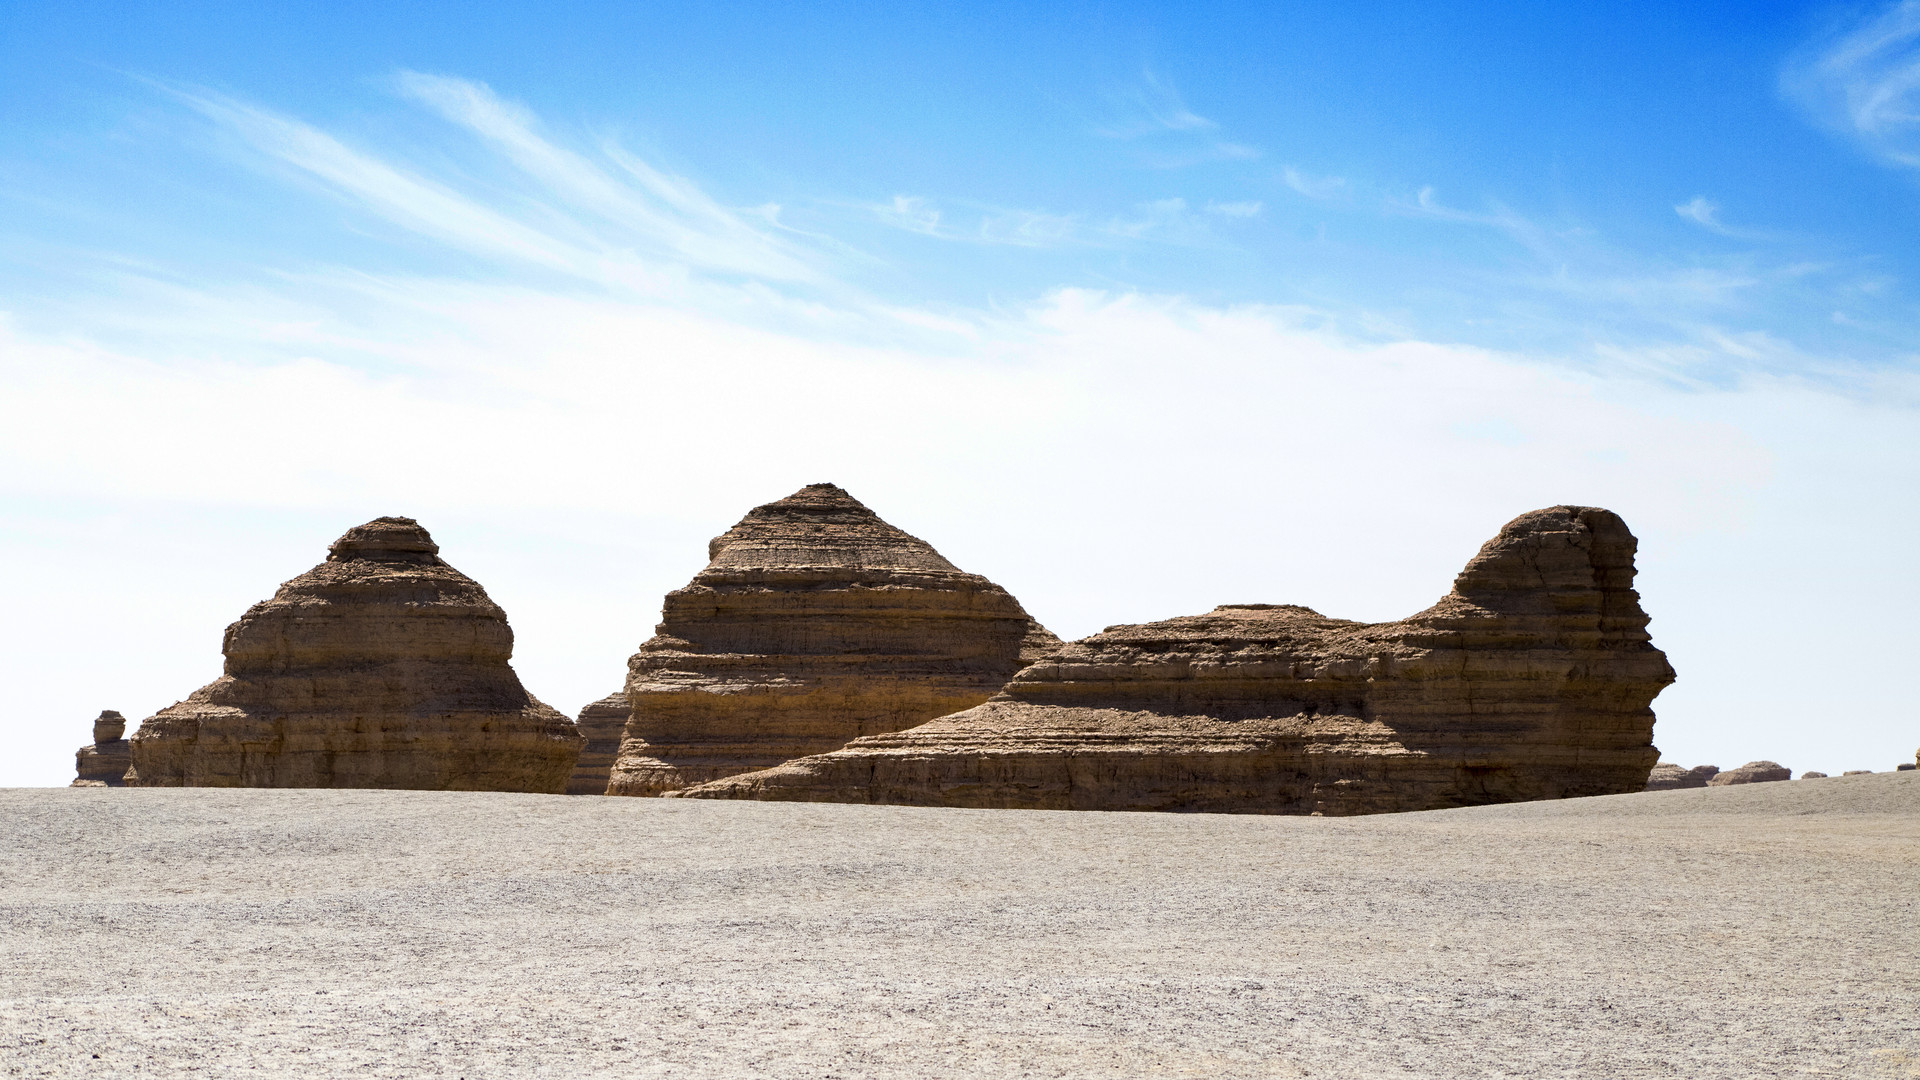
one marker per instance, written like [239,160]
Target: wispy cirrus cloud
[1313,187]
[1863,80]
[1162,221]
[1153,112]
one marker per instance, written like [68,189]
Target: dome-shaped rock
[1667,776]
[382,667]
[104,761]
[1530,680]
[814,623]
[1753,772]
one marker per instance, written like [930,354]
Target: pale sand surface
[1769,930]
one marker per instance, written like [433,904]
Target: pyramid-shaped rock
[1532,679]
[104,761]
[382,667]
[814,623]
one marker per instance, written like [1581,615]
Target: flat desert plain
[1768,930]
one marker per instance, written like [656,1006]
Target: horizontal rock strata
[1667,776]
[383,667]
[602,724]
[1532,679]
[104,762]
[814,623]
[1753,772]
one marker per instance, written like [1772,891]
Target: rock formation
[105,761]
[1811,774]
[1857,772]
[1667,776]
[382,667]
[1530,680]
[1753,772]
[814,623]
[602,723]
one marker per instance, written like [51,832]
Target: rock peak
[386,539]
[824,529]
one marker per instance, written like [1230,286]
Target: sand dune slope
[1770,930]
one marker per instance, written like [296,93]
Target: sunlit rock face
[814,623]
[104,761]
[1531,679]
[383,667]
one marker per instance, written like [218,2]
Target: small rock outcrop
[1532,679]
[1857,772]
[602,723]
[814,623]
[383,667]
[1667,776]
[1753,772]
[104,762]
[1813,775]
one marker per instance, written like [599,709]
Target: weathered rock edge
[1532,679]
[383,667]
[813,623]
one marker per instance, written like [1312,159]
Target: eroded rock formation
[602,723]
[1753,772]
[1530,680]
[1811,774]
[814,623]
[104,761]
[383,667]
[1667,776]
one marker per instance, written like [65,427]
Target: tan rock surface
[814,623]
[1753,772]
[1667,776]
[382,667]
[602,724]
[1530,680]
[104,761]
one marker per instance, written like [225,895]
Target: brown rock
[1812,775]
[104,762]
[1857,772]
[1667,776]
[602,723]
[1530,680]
[382,667]
[1753,772]
[815,622]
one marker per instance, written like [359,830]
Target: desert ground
[1765,930]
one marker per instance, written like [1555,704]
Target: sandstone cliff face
[602,723]
[814,623]
[1667,776]
[1753,772]
[1530,680]
[104,762]
[382,667]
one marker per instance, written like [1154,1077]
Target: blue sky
[1136,309]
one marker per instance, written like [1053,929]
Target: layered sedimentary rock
[602,724]
[383,667]
[814,623]
[104,762]
[1753,772]
[1532,679]
[1667,776]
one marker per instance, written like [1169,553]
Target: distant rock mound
[104,762]
[1667,776]
[1753,772]
[602,723]
[1532,679]
[1812,774]
[814,623]
[383,667]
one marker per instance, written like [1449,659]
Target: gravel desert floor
[1767,930]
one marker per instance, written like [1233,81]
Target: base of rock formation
[602,724]
[1753,772]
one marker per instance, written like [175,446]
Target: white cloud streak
[1864,81]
